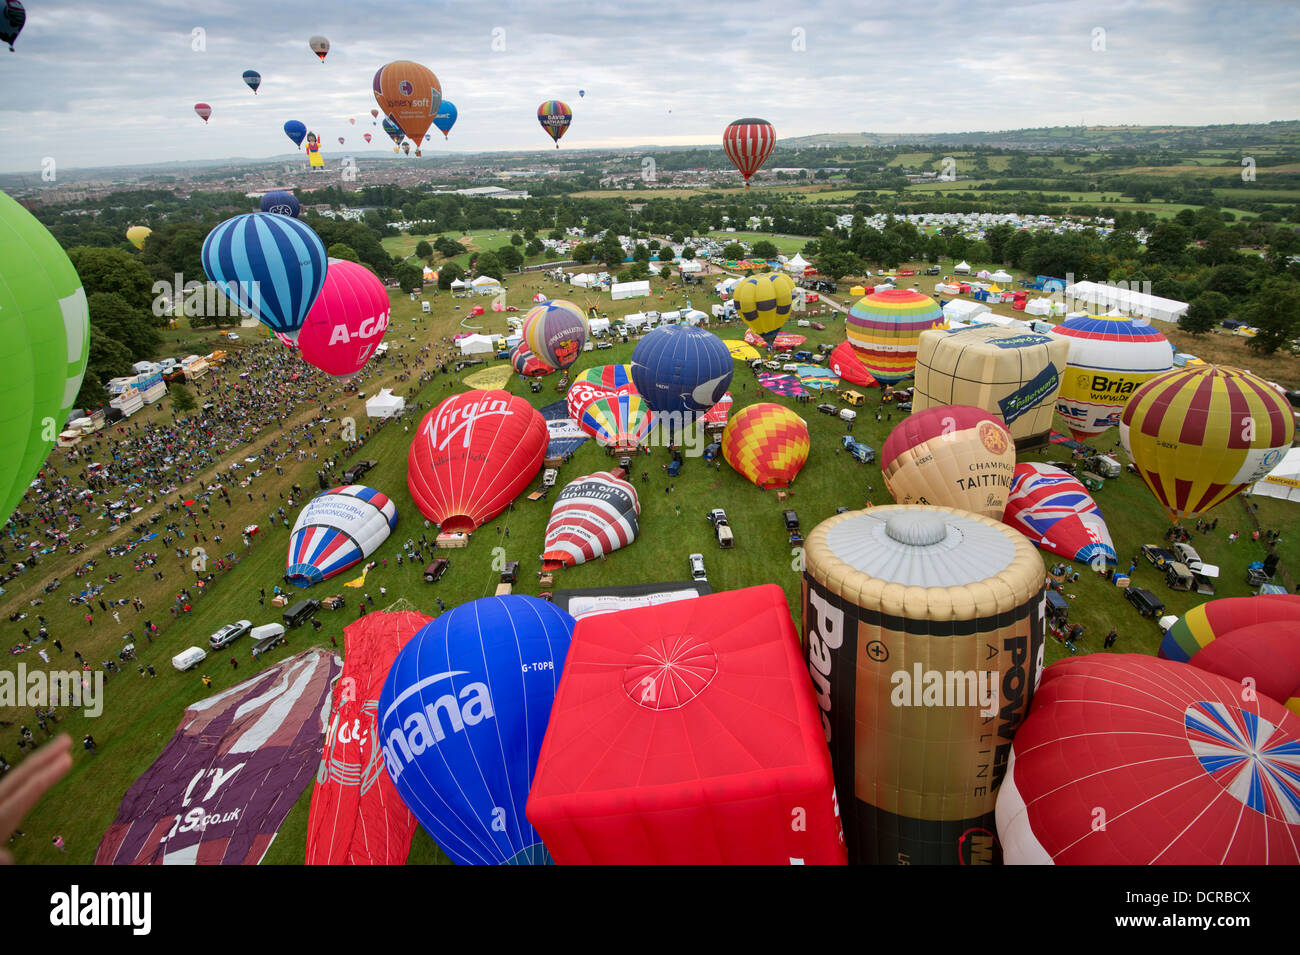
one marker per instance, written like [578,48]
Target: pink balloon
[347,321]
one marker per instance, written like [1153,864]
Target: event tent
[622,290]
[385,404]
[486,285]
[798,265]
[1002,276]
[477,344]
[962,267]
[964,310]
[1284,480]
[1127,301]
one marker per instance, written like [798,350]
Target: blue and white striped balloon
[269,265]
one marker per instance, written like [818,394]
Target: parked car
[716,516]
[857,449]
[1187,554]
[819,326]
[1178,577]
[603,345]
[828,409]
[791,520]
[435,569]
[1147,603]
[299,613]
[803,356]
[510,573]
[353,474]
[1158,557]
[229,634]
[697,567]
[333,602]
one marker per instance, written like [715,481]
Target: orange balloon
[410,94]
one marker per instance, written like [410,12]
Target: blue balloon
[269,265]
[281,203]
[253,79]
[680,368]
[295,131]
[582,93]
[461,719]
[446,117]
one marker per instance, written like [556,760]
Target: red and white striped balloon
[748,143]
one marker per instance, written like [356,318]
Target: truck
[858,450]
[721,529]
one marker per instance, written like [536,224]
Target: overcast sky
[104,83]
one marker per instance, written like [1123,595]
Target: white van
[1187,555]
[848,414]
[187,659]
[1107,466]
[424,307]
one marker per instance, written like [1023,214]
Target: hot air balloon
[204,111]
[446,117]
[764,303]
[581,93]
[253,79]
[340,140]
[613,413]
[406,149]
[472,455]
[137,234]
[347,321]
[320,46]
[1056,513]
[555,332]
[953,456]
[687,734]
[12,18]
[885,327]
[1130,760]
[748,143]
[784,341]
[45,326]
[923,630]
[410,94]
[462,716]
[767,443]
[555,118]
[527,364]
[682,370]
[356,816]
[270,265]
[1199,435]
[1203,625]
[366,137]
[336,530]
[296,131]
[593,516]
[394,132]
[1011,374]
[282,203]
[352,120]
[846,363]
[374,113]
[1110,356]
[314,157]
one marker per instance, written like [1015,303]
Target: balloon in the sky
[410,94]
[1199,435]
[352,120]
[555,118]
[320,46]
[748,143]
[767,443]
[296,131]
[1186,769]
[885,327]
[923,630]
[462,716]
[446,117]
[406,149]
[12,18]
[374,113]
[1110,356]
[527,364]
[282,203]
[847,363]
[340,140]
[366,137]
[472,455]
[1055,511]
[764,303]
[593,516]
[253,79]
[337,529]
[606,405]
[347,321]
[394,132]
[581,93]
[270,265]
[953,456]
[555,332]
[137,234]
[204,111]
[45,327]
[682,369]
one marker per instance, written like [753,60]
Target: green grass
[785,244]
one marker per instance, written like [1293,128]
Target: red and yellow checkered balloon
[767,443]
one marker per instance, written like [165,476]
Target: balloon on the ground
[296,131]
[1012,374]
[137,234]
[767,444]
[764,302]
[1110,356]
[885,328]
[747,143]
[253,79]
[270,265]
[784,341]
[555,118]
[1204,625]
[410,94]
[923,634]
[446,118]
[527,364]
[555,332]
[281,202]
[954,456]
[1199,435]
[1130,760]
[348,320]
[687,734]
[462,716]
[204,111]
[1264,657]
[847,363]
[1056,512]
[593,516]
[682,369]
[320,46]
[12,18]
[45,327]
[606,405]
[336,530]
[472,455]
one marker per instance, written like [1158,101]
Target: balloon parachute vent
[919,529]
[670,672]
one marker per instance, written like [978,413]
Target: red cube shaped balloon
[687,733]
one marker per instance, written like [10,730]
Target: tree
[409,277]
[1167,244]
[1275,311]
[132,328]
[763,249]
[113,270]
[106,358]
[516,239]
[182,399]
[687,252]
[733,250]
[510,256]
[1233,281]
[534,247]
[448,273]
[488,263]
[1200,317]
[667,271]
[583,253]
[340,250]
[423,250]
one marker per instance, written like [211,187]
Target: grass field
[786,244]
[140,715]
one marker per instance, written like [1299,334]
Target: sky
[112,83]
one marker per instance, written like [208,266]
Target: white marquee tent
[385,404]
[1284,480]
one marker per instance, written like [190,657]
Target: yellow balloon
[137,234]
[764,303]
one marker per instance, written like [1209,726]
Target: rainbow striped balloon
[767,443]
[885,327]
[555,118]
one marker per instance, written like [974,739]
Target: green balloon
[45,337]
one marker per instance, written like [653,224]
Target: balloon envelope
[204,111]
[253,79]
[527,364]
[320,46]
[12,18]
[137,234]
[767,443]
[846,363]
[555,332]
[1055,511]
[885,327]
[1200,626]
[682,369]
[281,203]
[410,94]
[462,715]
[606,405]
[336,530]
[764,303]
[446,117]
[555,118]
[366,137]
[593,516]
[296,131]
[748,143]
[953,456]
[347,321]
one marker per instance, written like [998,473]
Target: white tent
[694,316]
[726,286]
[964,310]
[477,344]
[690,265]
[941,289]
[1038,306]
[583,280]
[1002,276]
[385,404]
[797,264]
[622,290]
[457,284]
[962,268]
[486,285]
[984,274]
[1125,300]
[635,320]
[1284,480]
[598,325]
